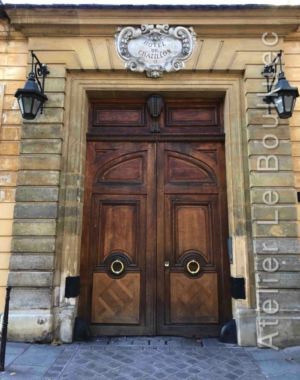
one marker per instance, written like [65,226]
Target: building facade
[183,183]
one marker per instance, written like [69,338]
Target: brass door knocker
[117,267]
[193,267]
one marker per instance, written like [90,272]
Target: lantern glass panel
[27,104]
[288,102]
[20,101]
[36,105]
[278,101]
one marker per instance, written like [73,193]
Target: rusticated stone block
[288,300]
[261,117]
[9,163]
[9,148]
[7,195]
[30,326]
[33,244]
[277,280]
[28,261]
[50,115]
[35,194]
[38,177]
[8,178]
[44,131]
[285,195]
[282,229]
[258,179]
[260,212]
[286,330]
[57,71]
[285,263]
[10,133]
[56,100]
[282,162]
[30,298]
[32,279]
[276,245]
[55,85]
[40,162]
[36,210]
[7,210]
[30,227]
[255,132]
[257,147]
[41,146]
[5,228]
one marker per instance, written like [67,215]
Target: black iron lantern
[31,98]
[283,96]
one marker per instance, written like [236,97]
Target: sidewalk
[149,358]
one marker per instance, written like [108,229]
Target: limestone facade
[42,163]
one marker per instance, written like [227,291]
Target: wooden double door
[154,260]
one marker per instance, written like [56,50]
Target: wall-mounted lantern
[283,95]
[31,98]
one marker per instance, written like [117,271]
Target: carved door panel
[120,238]
[191,273]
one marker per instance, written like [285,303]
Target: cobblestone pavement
[149,358]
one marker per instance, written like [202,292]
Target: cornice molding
[83,22]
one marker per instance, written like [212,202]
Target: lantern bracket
[269,72]
[38,70]
[282,95]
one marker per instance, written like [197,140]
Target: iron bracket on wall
[72,287]
[238,288]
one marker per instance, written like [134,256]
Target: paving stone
[151,358]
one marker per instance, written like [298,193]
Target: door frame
[81,87]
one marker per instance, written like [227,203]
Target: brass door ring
[117,267]
[193,267]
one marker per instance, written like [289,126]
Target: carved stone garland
[155,48]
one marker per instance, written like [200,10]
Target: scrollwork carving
[155,48]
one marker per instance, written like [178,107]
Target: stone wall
[35,225]
[13,67]
[273,213]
